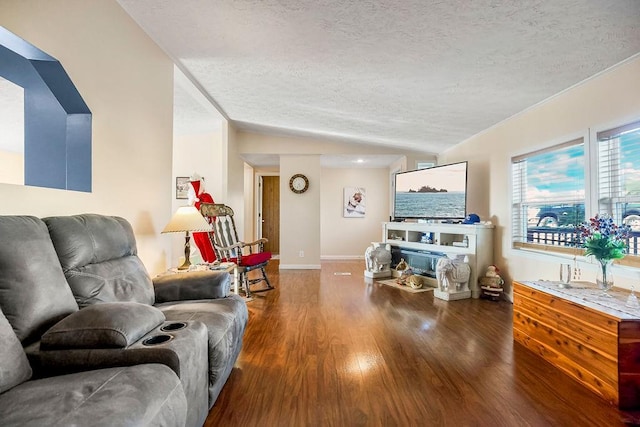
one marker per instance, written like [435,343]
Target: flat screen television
[438,193]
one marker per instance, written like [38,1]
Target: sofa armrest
[180,348]
[192,285]
[105,325]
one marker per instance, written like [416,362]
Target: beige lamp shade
[187,218]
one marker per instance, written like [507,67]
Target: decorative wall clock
[299,183]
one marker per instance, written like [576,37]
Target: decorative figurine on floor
[414,282]
[453,278]
[404,276]
[402,265]
[491,284]
[492,276]
[377,259]
[403,272]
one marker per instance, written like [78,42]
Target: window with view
[424,165]
[619,177]
[552,189]
[549,196]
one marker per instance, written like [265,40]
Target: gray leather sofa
[140,395]
[81,304]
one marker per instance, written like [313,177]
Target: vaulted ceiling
[415,74]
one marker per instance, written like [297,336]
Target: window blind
[549,188]
[619,176]
[548,195]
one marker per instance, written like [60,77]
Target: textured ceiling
[421,74]
[192,113]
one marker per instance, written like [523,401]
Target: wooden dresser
[593,339]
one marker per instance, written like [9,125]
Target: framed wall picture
[182,187]
[354,202]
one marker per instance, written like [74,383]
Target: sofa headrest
[99,258]
[34,293]
[90,239]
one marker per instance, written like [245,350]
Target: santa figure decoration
[196,194]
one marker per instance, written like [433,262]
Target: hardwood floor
[329,350]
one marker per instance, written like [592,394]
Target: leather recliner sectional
[95,338]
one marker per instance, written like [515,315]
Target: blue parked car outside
[570,215]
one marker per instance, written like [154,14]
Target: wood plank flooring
[330,350]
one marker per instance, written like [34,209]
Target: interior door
[271,213]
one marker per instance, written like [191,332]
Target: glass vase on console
[605,241]
[604,276]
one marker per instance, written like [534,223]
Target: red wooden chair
[228,248]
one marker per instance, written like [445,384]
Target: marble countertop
[589,295]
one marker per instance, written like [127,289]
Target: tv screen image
[439,192]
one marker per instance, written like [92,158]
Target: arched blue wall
[57,121]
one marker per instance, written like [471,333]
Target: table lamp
[187,218]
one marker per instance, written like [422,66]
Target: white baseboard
[299,266]
[341,257]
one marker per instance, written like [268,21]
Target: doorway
[269,212]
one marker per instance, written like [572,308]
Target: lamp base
[187,252]
[185,265]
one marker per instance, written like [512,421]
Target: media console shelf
[437,239]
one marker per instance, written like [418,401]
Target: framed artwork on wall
[182,187]
[354,202]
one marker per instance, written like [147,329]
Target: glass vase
[604,277]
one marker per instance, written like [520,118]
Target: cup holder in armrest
[157,339]
[174,326]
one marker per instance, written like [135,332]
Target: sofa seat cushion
[184,350]
[106,325]
[226,320]
[14,366]
[141,395]
[34,293]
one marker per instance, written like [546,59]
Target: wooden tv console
[582,336]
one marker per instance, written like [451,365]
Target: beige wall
[201,154]
[339,237]
[414,158]
[300,213]
[234,171]
[609,99]
[349,237]
[127,82]
[248,232]
[198,147]
[195,154]
[249,142]
[12,169]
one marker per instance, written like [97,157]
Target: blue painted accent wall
[78,152]
[57,120]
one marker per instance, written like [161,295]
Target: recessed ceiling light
[359,161]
